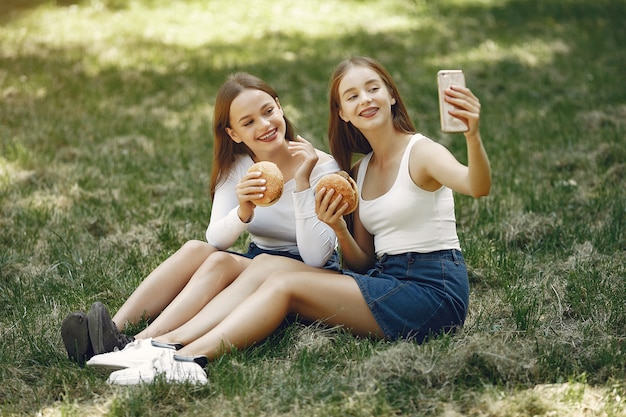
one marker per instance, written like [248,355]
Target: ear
[233,135]
[393,101]
[282,113]
[342,115]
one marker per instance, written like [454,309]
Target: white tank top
[407,218]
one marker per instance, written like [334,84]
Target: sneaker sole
[138,354]
[132,376]
[147,375]
[75,335]
[95,327]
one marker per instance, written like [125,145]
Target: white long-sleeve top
[288,225]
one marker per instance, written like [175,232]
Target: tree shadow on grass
[94,105]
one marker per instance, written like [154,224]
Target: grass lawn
[105,152]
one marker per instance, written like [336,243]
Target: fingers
[463,98]
[301,139]
[250,187]
[302,147]
[329,206]
[466,106]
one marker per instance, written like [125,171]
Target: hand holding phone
[446,78]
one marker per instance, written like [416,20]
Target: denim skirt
[254,250]
[416,295]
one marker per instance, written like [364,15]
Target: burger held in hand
[343,184]
[273,182]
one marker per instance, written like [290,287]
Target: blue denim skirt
[416,295]
[254,250]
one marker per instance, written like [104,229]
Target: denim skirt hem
[416,295]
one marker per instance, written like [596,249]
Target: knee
[260,270]
[278,283]
[261,267]
[216,265]
[217,259]
[264,261]
[282,290]
[271,263]
[197,247]
[217,270]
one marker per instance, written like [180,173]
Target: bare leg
[333,299]
[225,302]
[159,288]
[217,272]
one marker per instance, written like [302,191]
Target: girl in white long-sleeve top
[249,126]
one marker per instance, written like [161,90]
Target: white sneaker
[136,353]
[171,369]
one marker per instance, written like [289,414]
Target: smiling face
[365,100]
[256,119]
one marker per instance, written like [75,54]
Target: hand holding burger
[344,185]
[274,182]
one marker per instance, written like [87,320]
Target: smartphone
[446,78]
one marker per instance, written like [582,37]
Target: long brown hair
[225,150]
[343,138]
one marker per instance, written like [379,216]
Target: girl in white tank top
[412,288]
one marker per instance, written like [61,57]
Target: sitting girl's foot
[104,334]
[75,335]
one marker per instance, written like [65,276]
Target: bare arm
[432,165]
[357,248]
[479,170]
[358,252]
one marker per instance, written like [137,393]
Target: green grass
[105,150]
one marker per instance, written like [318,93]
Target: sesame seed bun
[273,182]
[343,184]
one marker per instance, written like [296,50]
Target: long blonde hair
[343,138]
[225,149]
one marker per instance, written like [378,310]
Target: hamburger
[273,182]
[343,184]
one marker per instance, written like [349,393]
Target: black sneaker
[201,360]
[75,335]
[103,332]
[165,345]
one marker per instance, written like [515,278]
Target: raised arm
[433,165]
[316,240]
